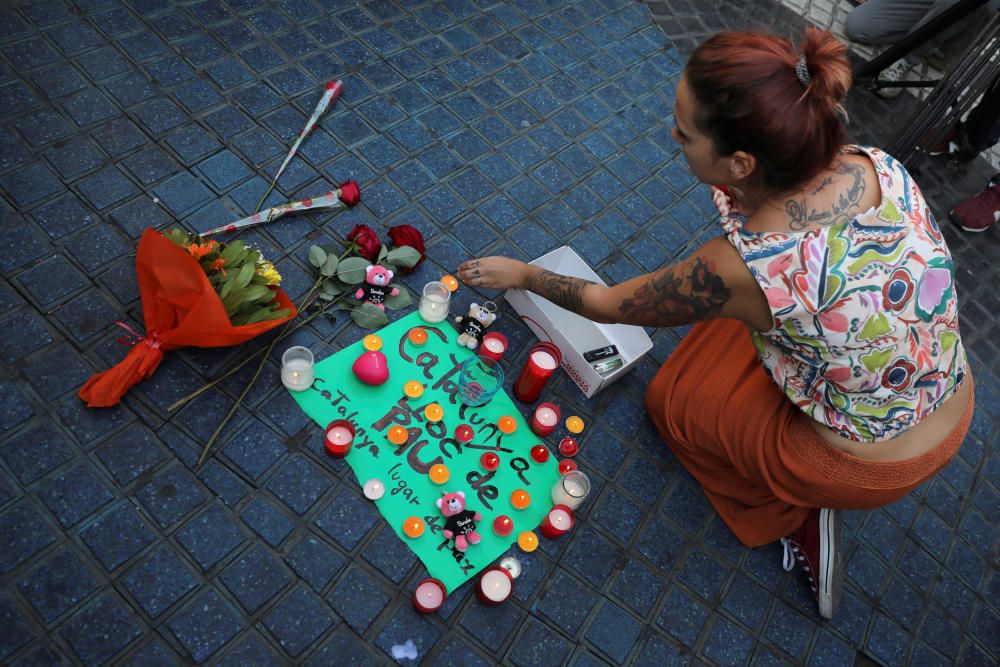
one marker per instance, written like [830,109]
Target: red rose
[408,235]
[366,241]
[350,194]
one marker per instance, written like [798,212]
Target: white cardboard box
[574,334]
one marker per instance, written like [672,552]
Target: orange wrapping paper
[181,309]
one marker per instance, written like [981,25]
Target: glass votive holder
[434,302]
[571,489]
[297,368]
[479,379]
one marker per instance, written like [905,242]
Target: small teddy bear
[473,326]
[377,279]
[461,522]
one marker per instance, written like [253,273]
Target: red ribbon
[150,339]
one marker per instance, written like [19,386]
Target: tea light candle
[339,437]
[413,389]
[434,302]
[557,522]
[539,454]
[439,473]
[512,565]
[413,527]
[520,499]
[372,342]
[543,360]
[450,282]
[297,368]
[398,435]
[494,345]
[566,465]
[374,489]
[503,525]
[571,489]
[545,419]
[434,412]
[429,596]
[528,541]
[464,433]
[490,461]
[495,586]
[507,424]
[417,336]
[569,447]
[574,424]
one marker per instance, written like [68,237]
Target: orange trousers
[758,460]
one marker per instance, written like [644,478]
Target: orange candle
[450,282]
[372,342]
[439,473]
[520,499]
[528,541]
[398,435]
[413,527]
[574,424]
[413,389]
[507,424]
[417,336]
[434,412]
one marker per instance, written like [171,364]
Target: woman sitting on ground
[827,371]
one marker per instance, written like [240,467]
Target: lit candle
[434,302]
[528,541]
[450,282]
[339,437]
[495,586]
[372,342]
[539,454]
[566,465]
[512,565]
[503,525]
[569,447]
[417,336]
[297,368]
[439,473]
[520,499]
[571,489]
[507,424]
[374,489]
[557,522]
[434,412]
[490,461]
[574,424]
[429,596]
[397,435]
[543,360]
[494,345]
[413,389]
[413,527]
[464,433]
[545,419]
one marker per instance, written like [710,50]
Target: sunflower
[267,270]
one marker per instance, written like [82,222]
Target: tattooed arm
[712,282]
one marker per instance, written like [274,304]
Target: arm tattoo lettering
[843,209]
[563,291]
[676,295]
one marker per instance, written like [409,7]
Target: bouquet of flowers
[194,293]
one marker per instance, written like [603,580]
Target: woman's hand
[494,272]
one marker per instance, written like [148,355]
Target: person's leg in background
[978,132]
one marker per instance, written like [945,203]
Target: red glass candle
[558,522]
[545,419]
[496,585]
[464,433]
[539,454]
[494,345]
[489,461]
[339,437]
[543,360]
[503,525]
[566,465]
[429,596]
[569,447]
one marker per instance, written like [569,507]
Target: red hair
[749,98]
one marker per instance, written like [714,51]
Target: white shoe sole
[830,577]
[975,230]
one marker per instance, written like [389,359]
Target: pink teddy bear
[461,522]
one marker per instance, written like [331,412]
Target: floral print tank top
[865,318]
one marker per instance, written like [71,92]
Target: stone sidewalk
[493,127]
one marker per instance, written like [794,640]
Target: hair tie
[802,71]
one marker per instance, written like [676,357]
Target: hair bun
[828,65]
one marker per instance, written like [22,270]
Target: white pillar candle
[429,596]
[571,489]
[494,345]
[495,586]
[297,368]
[339,435]
[544,360]
[434,302]
[546,416]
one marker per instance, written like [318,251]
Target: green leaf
[329,267]
[232,252]
[404,255]
[334,287]
[369,316]
[401,300]
[352,270]
[245,274]
[317,256]
[268,313]
[258,293]
[327,297]
[383,252]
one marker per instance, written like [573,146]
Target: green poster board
[338,394]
